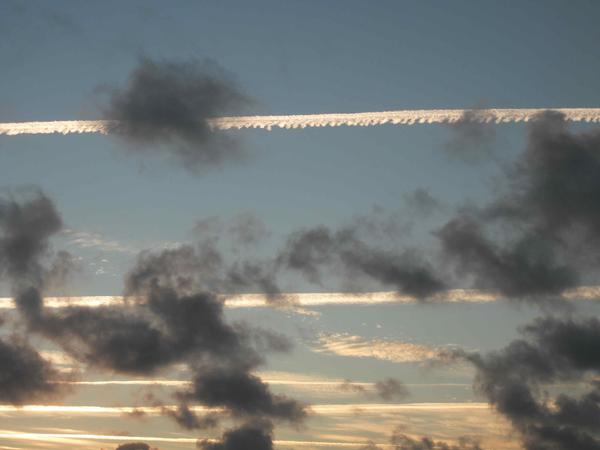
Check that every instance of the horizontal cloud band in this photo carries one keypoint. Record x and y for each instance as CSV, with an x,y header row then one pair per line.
x,y
308,299
363,119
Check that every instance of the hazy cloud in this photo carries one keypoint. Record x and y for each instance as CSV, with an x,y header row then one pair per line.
x,y
164,107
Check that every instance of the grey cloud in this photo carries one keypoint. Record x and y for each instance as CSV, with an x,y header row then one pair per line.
x,y
25,228
552,350
389,389
25,376
309,251
539,236
133,446
471,139
244,394
421,202
404,442
164,108
256,435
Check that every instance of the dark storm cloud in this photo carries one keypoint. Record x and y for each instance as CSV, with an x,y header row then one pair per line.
x,y
539,236
472,138
164,108
255,435
310,251
553,350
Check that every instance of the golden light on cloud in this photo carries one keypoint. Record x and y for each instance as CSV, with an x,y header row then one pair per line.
x,y
299,121
308,299
388,350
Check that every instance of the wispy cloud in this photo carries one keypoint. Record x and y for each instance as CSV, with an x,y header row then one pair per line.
x,y
384,349
90,240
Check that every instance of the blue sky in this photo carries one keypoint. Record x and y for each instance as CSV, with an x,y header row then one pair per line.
x,y
292,57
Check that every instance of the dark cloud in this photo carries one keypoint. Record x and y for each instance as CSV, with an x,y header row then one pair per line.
x,y
526,268
310,251
25,376
164,108
472,137
402,441
25,228
189,420
168,319
539,236
256,435
244,394
552,350
133,446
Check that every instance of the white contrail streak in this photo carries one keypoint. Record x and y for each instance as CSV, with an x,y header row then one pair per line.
x,y
363,119
308,299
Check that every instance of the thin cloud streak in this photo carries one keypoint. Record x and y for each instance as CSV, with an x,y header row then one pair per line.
x,y
106,437
590,293
362,119
320,409
384,349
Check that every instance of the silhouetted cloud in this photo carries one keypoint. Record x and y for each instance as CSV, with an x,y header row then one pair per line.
x,y
24,375
402,441
539,236
553,350
309,251
189,420
133,446
242,393
25,226
527,267
256,435
164,109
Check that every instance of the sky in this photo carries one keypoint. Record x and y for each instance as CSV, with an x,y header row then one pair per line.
x,y
481,239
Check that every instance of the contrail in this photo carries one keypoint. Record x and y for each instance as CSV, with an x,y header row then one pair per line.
x,y
308,299
362,119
